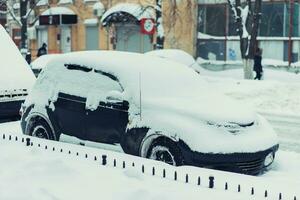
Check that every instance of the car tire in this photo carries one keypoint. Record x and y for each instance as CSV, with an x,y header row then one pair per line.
x,y
41,129
166,151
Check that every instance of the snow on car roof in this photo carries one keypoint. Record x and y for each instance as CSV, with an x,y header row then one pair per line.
x,y
15,73
42,61
159,75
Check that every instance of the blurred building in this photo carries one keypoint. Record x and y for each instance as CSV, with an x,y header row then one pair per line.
x,y
279,33
67,25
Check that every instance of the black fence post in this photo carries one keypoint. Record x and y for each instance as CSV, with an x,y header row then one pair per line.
x,y
3,136
266,193
86,156
153,171
211,182
53,148
16,138
239,188
226,186
104,161
22,140
175,176
46,147
252,191
280,196
199,180
186,178
9,137
27,141
164,173
133,164
295,198
124,164
143,168
95,158
61,150
115,163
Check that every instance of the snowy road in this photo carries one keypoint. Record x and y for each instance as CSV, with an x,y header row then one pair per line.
x,y
287,128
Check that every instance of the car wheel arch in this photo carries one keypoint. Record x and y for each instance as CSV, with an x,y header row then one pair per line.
x,y
38,116
146,143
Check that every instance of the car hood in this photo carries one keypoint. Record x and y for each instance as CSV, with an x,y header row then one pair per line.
x,y
213,109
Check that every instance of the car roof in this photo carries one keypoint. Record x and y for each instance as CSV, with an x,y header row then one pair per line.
x,y
157,75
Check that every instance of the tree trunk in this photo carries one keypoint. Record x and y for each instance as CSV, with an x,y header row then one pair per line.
x,y
248,68
160,38
23,11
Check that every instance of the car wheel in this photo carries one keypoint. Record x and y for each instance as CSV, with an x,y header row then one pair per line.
x,y
41,129
165,151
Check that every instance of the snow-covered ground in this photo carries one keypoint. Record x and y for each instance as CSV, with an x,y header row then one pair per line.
x,y
39,173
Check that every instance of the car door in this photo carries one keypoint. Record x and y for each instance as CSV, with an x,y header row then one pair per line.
x,y
70,114
108,121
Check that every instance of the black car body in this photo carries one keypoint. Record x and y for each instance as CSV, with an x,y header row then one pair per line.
x,y
94,96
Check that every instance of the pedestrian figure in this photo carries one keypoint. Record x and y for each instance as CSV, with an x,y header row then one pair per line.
x,y
42,50
257,64
28,57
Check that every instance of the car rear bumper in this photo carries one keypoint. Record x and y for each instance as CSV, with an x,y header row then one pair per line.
x,y
10,109
245,163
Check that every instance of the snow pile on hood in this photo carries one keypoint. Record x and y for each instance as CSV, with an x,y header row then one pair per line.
x,y
174,98
15,73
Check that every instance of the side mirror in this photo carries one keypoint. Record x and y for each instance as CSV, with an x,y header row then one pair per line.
x,y
114,96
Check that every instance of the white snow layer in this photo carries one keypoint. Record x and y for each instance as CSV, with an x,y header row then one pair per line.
x,y
58,11
135,10
15,73
42,61
175,99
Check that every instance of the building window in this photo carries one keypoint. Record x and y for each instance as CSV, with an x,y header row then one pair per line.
x,y
272,21
212,19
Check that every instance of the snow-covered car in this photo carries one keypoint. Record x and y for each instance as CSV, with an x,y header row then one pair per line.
x,y
149,107
16,78
38,64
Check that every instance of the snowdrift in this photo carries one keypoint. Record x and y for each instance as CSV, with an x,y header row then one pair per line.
x,y
15,73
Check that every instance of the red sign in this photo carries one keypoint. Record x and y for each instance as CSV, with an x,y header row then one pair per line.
x,y
147,26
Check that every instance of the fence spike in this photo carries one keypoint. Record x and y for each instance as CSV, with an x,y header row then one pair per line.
x,y
186,178
211,182
27,141
104,162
